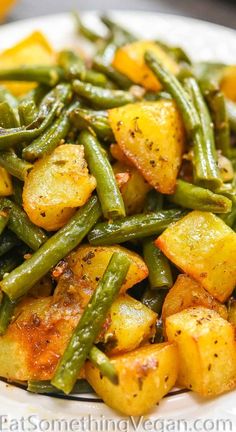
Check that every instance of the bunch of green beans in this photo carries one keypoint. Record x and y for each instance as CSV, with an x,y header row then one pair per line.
x,y
70,103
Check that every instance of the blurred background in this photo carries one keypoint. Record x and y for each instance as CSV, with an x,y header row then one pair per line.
x,y
218,11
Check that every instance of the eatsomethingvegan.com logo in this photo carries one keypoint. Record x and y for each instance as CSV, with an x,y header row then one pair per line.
x,y
102,424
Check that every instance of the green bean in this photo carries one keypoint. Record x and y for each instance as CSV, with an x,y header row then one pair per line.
x,y
49,75
14,165
27,111
102,98
51,137
176,52
74,67
44,387
105,67
17,192
8,240
158,265
230,218
97,120
6,310
48,109
8,118
153,96
90,323
217,105
20,224
119,34
197,198
206,171
7,96
231,112
102,362
154,299
4,218
20,280
85,31
154,201
173,86
36,94
107,188
133,227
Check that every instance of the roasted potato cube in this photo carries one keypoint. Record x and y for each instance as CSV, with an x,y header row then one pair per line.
x,y
145,376
33,50
185,293
56,185
204,247
129,324
207,350
134,191
36,338
6,187
151,135
228,82
90,262
5,7
129,60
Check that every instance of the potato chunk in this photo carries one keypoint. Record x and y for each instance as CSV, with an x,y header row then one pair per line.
x,y
56,185
207,350
151,135
145,376
33,50
90,262
130,323
204,247
185,293
129,60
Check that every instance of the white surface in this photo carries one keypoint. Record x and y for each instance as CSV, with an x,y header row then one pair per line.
x,y
203,41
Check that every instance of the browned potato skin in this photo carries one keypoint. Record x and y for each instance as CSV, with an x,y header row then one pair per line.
x,y
145,376
186,293
134,191
56,185
204,247
207,350
90,262
129,324
129,60
151,135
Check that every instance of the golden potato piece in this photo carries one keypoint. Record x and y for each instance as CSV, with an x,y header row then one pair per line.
x,y
6,187
207,350
151,135
145,376
228,82
33,50
135,190
56,185
204,247
186,293
131,324
90,262
129,60
37,337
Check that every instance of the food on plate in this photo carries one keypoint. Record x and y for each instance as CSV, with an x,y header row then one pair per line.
x,y
117,219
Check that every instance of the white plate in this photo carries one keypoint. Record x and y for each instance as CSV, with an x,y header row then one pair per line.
x,y
203,41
